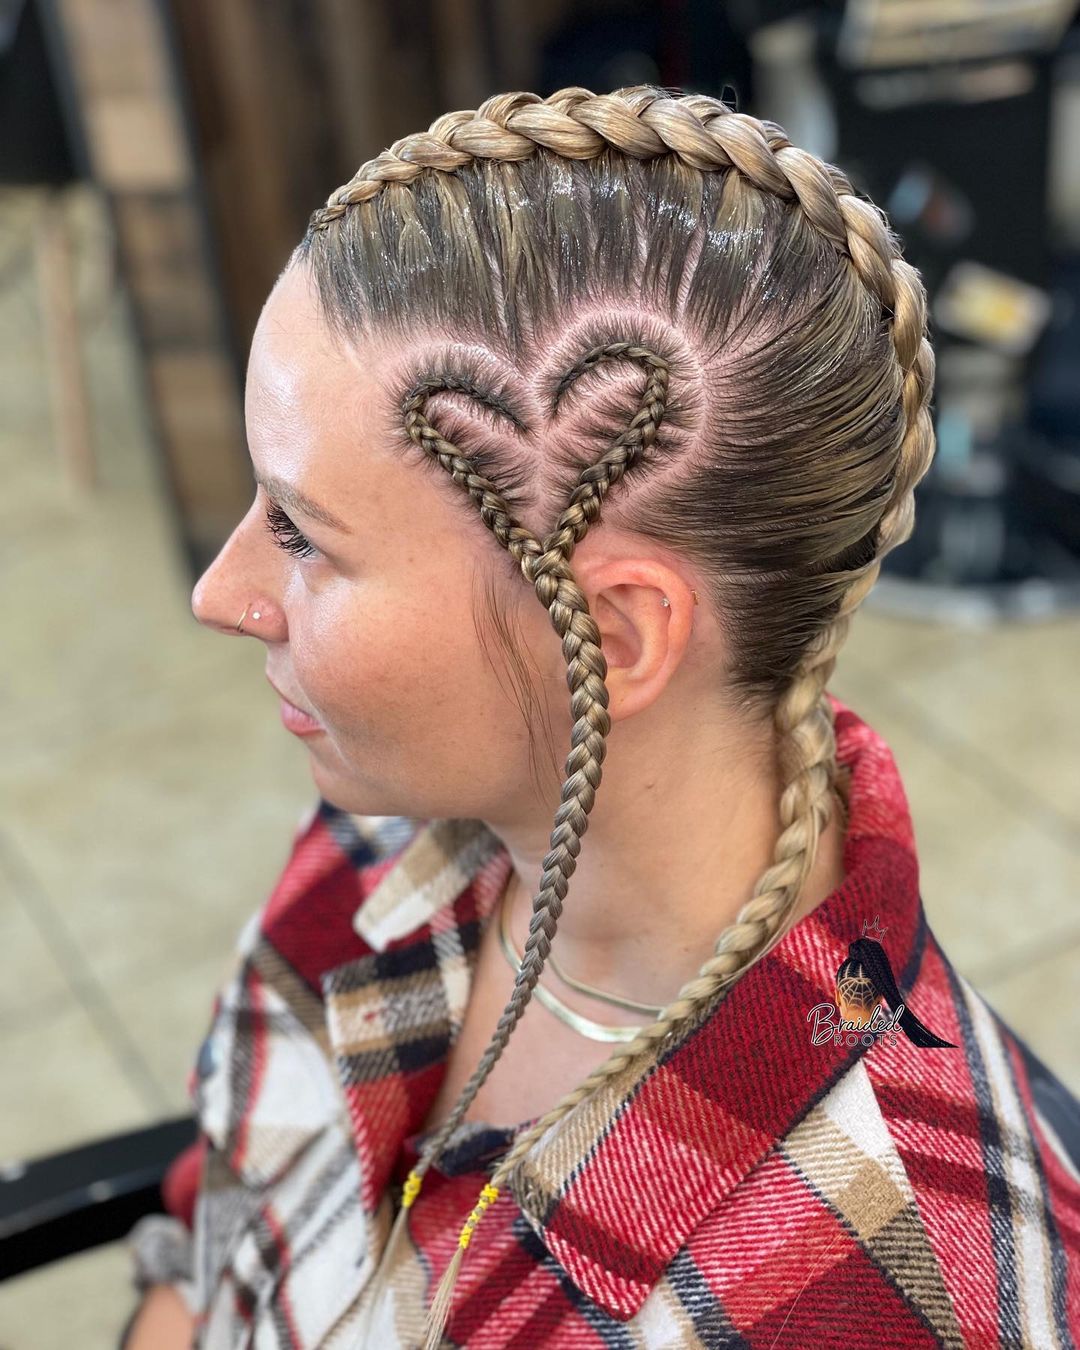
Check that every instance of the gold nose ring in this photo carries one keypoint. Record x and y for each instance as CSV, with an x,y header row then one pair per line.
x,y
256,615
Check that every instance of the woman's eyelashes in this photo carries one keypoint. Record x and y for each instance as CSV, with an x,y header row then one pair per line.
x,y
285,533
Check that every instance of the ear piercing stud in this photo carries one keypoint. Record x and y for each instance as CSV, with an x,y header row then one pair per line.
x,y
663,600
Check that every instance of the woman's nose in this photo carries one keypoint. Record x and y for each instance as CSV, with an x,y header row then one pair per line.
x,y
237,583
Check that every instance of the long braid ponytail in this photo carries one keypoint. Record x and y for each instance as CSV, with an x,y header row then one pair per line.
x,y
641,123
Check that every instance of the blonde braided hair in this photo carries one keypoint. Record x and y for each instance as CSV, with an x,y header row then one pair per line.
x,y
643,123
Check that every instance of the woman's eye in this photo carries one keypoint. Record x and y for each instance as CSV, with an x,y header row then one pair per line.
x,y
285,533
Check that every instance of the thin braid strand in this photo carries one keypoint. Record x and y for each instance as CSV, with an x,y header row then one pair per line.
x,y
546,564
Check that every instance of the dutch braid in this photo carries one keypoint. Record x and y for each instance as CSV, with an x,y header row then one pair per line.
x,y
643,122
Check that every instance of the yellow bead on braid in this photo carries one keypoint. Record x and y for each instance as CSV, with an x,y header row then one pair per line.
x,y
439,1311
389,1255
487,1196
413,1182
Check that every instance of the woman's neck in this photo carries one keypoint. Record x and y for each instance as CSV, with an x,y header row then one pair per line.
x,y
662,872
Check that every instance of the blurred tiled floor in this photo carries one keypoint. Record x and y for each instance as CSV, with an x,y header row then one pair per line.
x,y
133,846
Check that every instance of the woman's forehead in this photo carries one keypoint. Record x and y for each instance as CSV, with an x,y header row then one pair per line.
x,y
316,417
290,352
303,394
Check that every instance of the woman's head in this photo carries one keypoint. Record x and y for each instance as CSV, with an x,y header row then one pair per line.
x,y
382,597
795,422
575,335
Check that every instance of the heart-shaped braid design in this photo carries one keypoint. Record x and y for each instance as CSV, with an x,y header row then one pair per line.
x,y
496,224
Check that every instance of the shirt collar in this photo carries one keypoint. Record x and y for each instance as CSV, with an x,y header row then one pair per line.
x,y
669,1141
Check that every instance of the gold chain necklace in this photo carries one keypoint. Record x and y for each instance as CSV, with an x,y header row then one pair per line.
x,y
595,1031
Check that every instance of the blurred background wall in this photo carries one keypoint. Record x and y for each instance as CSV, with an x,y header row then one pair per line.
x,y
158,162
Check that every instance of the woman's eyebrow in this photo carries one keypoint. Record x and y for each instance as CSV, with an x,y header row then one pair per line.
x,y
286,495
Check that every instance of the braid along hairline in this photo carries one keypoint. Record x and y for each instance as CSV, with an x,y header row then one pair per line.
x,y
700,130
707,135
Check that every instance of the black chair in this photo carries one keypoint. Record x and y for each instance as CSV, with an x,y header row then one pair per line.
x,y
70,1202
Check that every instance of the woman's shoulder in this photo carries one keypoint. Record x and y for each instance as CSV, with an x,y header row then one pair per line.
x,y
272,985
264,1068
987,1084
986,1173
970,1110
926,1189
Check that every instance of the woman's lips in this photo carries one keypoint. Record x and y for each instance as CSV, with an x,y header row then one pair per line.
x,y
297,721
294,718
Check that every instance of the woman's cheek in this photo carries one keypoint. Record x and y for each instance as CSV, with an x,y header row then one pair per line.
x,y
352,686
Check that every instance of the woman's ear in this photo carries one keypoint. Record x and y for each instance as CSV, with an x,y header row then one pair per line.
x,y
644,639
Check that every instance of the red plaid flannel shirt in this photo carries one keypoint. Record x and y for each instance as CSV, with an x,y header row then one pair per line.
x,y
747,1189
